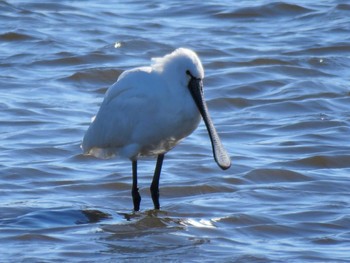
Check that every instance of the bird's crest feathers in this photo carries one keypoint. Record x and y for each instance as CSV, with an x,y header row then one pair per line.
x,y
181,57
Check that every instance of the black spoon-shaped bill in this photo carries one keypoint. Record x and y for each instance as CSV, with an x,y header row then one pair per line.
x,y
220,154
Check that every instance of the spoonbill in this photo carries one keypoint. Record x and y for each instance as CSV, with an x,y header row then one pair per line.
x,y
148,111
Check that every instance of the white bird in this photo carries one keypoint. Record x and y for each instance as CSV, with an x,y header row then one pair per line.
x,y
148,111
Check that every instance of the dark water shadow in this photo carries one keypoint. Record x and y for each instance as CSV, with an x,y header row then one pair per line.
x,y
36,219
94,216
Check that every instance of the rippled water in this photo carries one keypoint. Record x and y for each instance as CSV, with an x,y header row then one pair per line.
x,y
277,84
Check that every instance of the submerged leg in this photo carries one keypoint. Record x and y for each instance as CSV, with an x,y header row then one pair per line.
x,y
155,182
136,198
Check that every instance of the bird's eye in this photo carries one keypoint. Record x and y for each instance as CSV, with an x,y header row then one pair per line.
x,y
189,73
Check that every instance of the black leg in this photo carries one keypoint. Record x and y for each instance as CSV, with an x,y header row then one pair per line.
x,y
136,198
155,182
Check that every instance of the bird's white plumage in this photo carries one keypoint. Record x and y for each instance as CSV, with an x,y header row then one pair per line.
x,y
148,110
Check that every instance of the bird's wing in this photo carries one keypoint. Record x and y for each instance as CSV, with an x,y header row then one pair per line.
x,y
127,81
125,108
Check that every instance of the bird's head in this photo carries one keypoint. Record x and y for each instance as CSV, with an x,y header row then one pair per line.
x,y
182,64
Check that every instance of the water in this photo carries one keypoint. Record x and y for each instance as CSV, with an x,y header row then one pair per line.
x,y
277,85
